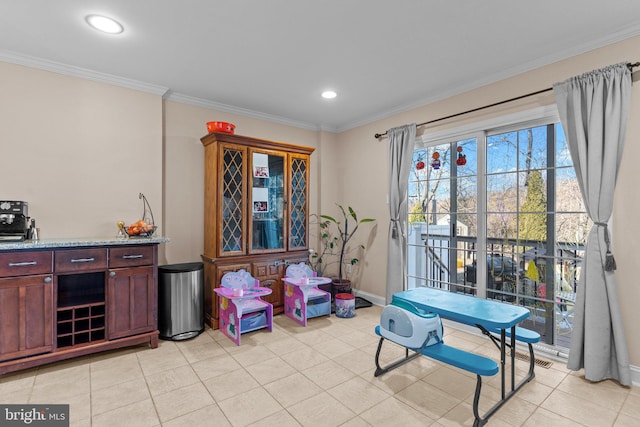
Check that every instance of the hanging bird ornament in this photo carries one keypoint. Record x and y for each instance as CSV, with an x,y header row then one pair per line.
x,y
462,159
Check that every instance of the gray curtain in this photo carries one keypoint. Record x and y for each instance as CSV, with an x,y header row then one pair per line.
x,y
594,109
401,146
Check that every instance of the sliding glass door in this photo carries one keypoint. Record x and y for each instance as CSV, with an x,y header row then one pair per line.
x,y
500,216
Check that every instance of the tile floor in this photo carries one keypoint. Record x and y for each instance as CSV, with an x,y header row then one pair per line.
x,y
321,375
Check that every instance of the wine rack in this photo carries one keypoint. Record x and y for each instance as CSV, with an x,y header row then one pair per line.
x,y
81,324
80,314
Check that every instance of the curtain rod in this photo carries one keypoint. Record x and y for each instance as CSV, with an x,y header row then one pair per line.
x,y
378,135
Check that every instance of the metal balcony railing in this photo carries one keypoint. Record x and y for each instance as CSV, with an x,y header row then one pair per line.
x,y
517,271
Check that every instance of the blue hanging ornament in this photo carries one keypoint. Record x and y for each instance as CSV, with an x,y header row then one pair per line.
x,y
435,163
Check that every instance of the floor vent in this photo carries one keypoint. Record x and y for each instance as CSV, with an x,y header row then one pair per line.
x,y
539,362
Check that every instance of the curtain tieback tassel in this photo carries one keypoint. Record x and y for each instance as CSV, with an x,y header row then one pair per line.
x,y
610,262
395,226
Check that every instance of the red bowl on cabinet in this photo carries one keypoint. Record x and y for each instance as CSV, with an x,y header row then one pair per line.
x,y
221,127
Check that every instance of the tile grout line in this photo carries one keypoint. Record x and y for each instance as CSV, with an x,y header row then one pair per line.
x,y
153,401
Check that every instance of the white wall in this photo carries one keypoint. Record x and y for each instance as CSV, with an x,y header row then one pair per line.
x,y
78,151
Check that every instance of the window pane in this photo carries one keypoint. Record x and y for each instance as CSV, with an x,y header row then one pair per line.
x,y
533,191
467,191
416,217
533,227
439,225
441,191
502,152
502,226
466,157
532,145
418,167
502,193
563,157
467,225
568,190
438,161
572,229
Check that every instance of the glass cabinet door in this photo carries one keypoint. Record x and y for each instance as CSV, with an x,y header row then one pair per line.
x,y
232,200
267,201
299,204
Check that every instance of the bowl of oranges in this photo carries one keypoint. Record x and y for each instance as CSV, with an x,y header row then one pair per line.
x,y
139,229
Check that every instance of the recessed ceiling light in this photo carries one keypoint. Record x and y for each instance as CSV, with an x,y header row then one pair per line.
x,y
104,24
329,94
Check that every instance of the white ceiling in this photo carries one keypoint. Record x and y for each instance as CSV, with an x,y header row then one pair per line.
x,y
272,58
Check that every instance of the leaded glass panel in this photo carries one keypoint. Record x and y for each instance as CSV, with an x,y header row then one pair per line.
x,y
232,200
298,221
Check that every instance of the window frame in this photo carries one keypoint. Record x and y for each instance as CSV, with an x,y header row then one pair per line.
x,y
481,130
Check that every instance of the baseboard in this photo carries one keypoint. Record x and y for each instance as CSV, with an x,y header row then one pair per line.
x,y
635,376
375,299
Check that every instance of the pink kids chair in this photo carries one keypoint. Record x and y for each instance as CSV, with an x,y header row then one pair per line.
x,y
241,306
302,298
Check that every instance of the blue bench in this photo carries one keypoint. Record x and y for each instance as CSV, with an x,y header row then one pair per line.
x,y
470,362
523,335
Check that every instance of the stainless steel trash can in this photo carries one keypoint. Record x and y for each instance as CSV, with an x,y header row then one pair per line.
x,y
180,301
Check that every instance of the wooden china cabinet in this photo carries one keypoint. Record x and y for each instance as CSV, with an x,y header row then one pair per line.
x,y
256,212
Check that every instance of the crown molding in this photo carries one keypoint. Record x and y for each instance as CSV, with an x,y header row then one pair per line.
x,y
621,35
70,70
205,103
166,93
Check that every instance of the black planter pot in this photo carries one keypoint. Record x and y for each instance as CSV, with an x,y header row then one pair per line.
x,y
340,287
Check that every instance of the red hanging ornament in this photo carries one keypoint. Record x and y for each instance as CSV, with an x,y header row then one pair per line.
x,y
420,165
462,159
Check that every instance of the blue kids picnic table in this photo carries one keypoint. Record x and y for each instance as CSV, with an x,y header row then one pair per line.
x,y
490,316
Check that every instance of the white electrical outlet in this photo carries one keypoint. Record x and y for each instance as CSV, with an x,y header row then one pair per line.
x,y
348,268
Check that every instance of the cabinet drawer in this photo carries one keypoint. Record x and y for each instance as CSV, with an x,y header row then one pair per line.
x,y
25,263
74,260
130,256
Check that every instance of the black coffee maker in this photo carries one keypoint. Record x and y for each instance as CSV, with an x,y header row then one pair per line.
x,y
14,221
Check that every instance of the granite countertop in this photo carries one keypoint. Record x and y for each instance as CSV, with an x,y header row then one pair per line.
x,y
80,242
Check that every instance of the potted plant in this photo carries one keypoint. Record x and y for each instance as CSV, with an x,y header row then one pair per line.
x,y
335,235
